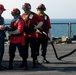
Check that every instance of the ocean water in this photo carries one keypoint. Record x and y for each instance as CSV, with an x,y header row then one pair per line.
x,y
59,30
7,21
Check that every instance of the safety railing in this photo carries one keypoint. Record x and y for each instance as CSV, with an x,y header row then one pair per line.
x,y
69,29
66,28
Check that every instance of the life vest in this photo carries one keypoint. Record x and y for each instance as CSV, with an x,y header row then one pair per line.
x,y
45,27
29,23
14,26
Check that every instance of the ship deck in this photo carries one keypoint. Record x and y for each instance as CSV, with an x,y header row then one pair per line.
x,y
66,66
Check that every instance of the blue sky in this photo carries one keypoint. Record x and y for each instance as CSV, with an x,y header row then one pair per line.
x,y
55,8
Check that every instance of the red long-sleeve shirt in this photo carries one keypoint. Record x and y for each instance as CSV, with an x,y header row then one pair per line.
x,y
19,38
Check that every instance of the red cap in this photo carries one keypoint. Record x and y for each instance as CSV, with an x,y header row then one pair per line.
x,y
41,6
27,6
15,10
2,7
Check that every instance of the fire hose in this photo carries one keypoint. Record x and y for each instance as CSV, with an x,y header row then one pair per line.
x,y
56,55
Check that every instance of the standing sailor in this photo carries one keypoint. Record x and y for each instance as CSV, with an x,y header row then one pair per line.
x,y
2,35
16,37
45,29
32,22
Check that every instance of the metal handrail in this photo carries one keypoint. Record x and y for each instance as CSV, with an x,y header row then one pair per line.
x,y
69,27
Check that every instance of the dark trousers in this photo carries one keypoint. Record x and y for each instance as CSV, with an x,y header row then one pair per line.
x,y
43,42
1,48
12,50
30,41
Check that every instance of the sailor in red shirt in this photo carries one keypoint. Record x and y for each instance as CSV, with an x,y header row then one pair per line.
x,y
32,22
46,29
16,37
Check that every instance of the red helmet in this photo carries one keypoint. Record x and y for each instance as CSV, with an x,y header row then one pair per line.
x,y
41,7
26,6
2,7
15,12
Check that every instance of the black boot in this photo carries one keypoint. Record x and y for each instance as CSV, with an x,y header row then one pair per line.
x,y
45,60
37,62
2,68
10,66
24,64
34,63
21,65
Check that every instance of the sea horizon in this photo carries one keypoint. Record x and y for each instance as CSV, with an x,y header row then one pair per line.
x,y
52,20
58,30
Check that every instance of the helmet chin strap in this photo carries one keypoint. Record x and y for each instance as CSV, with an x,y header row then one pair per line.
x,y
16,17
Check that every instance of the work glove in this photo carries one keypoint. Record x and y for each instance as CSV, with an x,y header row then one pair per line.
x,y
8,28
15,32
38,25
10,32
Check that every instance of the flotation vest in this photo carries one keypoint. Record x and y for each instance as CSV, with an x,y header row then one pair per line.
x,y
14,27
29,23
45,27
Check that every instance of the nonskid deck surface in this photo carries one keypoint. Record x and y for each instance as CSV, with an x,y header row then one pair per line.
x,y
67,66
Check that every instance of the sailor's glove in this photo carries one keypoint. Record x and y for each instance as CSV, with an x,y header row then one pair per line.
x,y
10,32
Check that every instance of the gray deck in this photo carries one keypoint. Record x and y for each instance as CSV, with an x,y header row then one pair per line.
x,y
65,67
